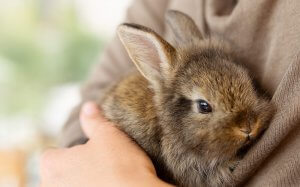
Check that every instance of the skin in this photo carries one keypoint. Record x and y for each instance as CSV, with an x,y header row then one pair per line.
x,y
158,110
109,158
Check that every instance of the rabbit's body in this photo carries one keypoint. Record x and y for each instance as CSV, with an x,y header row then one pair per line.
x,y
192,109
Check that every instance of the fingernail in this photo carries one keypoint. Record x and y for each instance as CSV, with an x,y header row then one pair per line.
x,y
90,109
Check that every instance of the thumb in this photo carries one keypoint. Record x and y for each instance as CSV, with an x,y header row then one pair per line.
x,y
91,119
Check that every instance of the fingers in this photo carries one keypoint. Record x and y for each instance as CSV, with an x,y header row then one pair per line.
x,y
93,122
56,163
49,161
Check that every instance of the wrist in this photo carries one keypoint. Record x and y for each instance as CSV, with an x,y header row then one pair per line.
x,y
153,180
145,180
160,183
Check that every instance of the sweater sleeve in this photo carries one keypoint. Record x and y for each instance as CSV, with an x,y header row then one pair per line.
x,y
113,64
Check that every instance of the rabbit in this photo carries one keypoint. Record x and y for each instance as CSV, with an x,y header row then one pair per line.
x,y
190,106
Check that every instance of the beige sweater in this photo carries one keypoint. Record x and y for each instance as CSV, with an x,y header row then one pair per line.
x,y
266,37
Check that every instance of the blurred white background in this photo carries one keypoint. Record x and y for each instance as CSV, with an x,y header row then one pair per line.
x,y
46,50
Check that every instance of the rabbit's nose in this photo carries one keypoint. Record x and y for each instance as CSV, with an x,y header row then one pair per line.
x,y
245,130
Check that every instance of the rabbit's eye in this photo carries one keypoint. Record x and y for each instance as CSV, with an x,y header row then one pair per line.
x,y
203,106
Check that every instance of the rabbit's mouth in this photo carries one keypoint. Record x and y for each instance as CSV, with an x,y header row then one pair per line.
x,y
244,149
247,145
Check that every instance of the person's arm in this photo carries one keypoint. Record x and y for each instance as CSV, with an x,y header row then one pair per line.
x,y
110,158
113,64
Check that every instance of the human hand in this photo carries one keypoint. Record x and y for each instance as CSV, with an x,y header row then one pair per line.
x,y
109,158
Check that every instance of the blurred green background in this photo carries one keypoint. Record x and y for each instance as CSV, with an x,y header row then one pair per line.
x,y
47,48
41,47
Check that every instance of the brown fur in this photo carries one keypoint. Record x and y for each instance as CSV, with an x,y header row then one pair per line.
x,y
158,109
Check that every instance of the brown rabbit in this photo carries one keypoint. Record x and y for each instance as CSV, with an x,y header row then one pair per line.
x,y
192,108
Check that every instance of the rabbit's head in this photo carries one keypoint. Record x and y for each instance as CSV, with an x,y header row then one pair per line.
x,y
206,102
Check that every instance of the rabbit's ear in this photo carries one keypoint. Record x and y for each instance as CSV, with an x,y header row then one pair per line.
x,y
183,27
151,54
